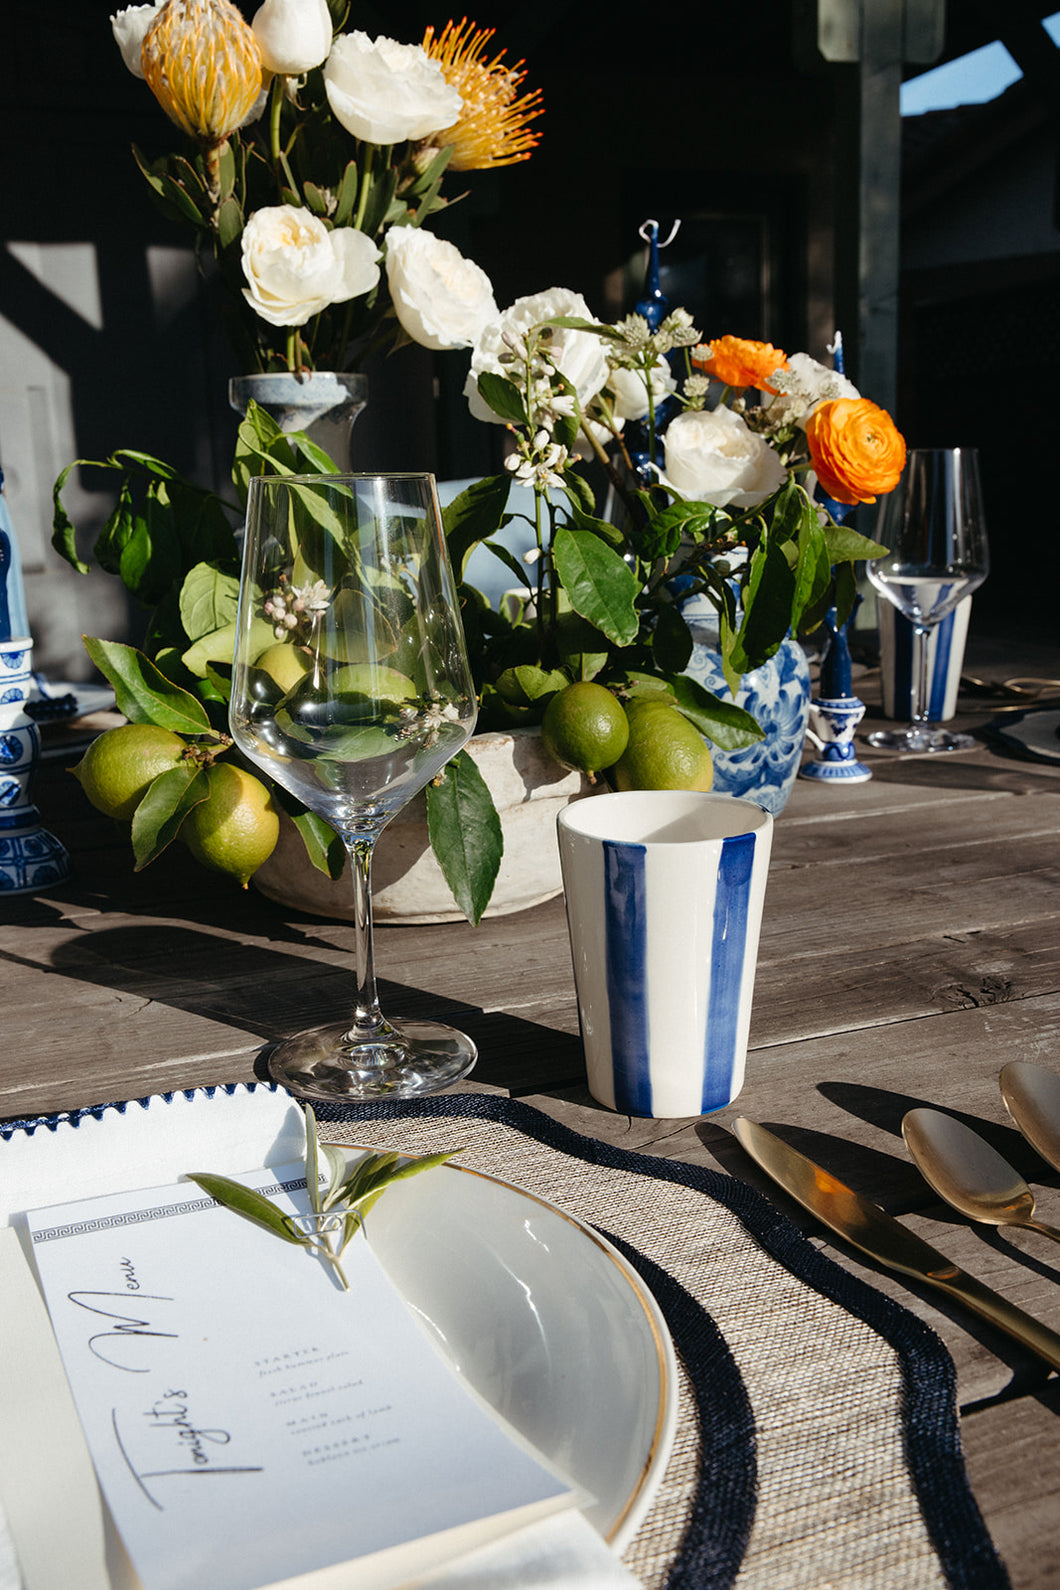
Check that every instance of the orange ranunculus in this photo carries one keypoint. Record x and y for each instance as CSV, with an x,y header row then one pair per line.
x,y
856,449
739,362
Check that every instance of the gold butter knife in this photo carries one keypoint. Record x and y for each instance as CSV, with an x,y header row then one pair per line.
x,y
868,1227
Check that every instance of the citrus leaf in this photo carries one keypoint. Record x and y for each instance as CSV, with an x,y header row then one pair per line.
x,y
503,397
473,516
323,845
253,1206
672,640
724,723
847,546
465,834
208,600
157,819
142,692
64,535
600,585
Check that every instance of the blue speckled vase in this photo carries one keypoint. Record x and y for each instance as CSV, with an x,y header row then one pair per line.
x,y
777,695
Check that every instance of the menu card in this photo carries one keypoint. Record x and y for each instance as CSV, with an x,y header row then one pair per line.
x,y
253,1425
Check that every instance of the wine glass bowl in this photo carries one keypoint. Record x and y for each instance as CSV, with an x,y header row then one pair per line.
x,y
351,688
933,527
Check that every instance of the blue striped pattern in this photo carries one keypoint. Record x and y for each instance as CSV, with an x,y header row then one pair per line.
x,y
731,905
629,991
938,675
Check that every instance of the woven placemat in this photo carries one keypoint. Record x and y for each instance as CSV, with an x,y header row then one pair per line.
x,y
818,1444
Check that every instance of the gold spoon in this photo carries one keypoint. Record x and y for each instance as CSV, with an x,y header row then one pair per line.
x,y
1032,1098
970,1174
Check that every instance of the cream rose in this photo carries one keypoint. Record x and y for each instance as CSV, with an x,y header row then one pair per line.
x,y
385,92
712,456
630,393
578,354
293,35
441,299
129,27
295,267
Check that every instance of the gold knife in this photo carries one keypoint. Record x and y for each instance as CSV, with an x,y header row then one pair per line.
x,y
868,1227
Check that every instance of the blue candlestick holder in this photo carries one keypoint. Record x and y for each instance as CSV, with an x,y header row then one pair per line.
x,y
834,715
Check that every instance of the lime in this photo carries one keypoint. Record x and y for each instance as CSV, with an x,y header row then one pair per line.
x,y
374,681
285,664
236,827
118,767
665,751
584,727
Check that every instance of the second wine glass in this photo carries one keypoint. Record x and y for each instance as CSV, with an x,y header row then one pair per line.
x,y
933,528
351,689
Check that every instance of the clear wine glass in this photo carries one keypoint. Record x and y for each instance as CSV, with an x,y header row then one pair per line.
x,y
351,689
933,528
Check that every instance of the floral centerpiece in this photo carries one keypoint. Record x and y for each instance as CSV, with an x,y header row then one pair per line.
x,y
315,156
733,489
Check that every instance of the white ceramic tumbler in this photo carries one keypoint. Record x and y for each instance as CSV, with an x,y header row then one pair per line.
x,y
664,893
946,641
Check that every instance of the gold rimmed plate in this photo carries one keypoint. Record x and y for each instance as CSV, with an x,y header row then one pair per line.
x,y
547,1322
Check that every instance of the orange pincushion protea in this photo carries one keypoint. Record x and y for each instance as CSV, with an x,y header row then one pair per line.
x,y
203,65
740,362
493,129
856,449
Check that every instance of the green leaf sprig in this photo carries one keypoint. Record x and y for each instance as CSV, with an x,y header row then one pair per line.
x,y
337,1210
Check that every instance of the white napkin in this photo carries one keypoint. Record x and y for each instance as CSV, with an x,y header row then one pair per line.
x,y
151,1145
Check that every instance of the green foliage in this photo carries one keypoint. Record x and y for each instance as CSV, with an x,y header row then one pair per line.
x,y
465,834
337,1212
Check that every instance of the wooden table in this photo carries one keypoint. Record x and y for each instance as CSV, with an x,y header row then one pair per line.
x,y
911,945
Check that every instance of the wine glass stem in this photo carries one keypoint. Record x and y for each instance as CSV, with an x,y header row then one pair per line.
x,y
920,682
366,1014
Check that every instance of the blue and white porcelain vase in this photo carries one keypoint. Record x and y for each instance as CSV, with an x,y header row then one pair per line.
x,y
30,857
777,695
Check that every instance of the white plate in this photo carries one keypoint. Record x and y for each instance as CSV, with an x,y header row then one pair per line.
x,y
547,1322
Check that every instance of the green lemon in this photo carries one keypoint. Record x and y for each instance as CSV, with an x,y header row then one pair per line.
x,y
285,664
664,751
236,827
584,727
118,767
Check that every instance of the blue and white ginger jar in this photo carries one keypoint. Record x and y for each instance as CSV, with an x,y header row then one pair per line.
x,y
777,695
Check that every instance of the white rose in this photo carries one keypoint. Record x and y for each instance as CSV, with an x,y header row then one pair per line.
x,y
129,27
631,397
295,267
802,386
293,35
578,354
712,456
441,299
384,92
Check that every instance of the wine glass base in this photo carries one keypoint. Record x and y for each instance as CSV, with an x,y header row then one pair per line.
x,y
402,1061
920,740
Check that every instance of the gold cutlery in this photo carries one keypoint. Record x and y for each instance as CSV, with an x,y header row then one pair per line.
x,y
868,1227
1032,1098
968,1173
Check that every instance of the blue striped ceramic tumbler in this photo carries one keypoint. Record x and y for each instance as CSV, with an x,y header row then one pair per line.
x,y
664,892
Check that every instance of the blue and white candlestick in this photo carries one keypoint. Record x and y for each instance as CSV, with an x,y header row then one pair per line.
x,y
834,715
